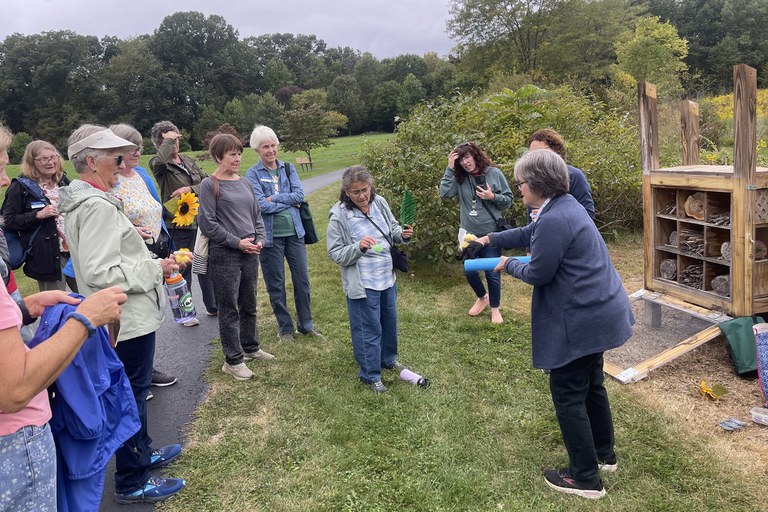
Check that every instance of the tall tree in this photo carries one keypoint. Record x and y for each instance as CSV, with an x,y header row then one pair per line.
x,y
308,128
654,54
264,110
411,93
510,29
344,96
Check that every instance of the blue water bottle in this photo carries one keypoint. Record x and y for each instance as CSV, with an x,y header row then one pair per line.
x,y
181,298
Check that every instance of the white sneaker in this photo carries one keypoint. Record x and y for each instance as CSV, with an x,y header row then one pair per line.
x,y
191,323
259,354
238,371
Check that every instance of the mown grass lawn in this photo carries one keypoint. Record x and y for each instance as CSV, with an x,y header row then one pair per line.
x,y
305,435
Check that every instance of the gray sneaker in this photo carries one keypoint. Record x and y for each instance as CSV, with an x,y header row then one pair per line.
x,y
238,371
259,354
315,334
285,336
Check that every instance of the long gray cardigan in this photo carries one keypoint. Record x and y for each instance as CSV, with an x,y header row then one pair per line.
x,y
579,305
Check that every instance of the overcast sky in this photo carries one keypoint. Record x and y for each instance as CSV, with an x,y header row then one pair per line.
x,y
383,27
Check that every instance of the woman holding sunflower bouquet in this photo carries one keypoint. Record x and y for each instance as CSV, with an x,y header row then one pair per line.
x,y
178,175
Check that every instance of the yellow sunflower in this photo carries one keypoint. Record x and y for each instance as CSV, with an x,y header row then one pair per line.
x,y
186,209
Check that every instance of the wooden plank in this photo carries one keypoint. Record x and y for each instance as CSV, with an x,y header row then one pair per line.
x,y
689,125
743,196
692,181
673,302
707,300
649,131
678,350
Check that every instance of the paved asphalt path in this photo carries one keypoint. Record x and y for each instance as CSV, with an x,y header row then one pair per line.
x,y
184,352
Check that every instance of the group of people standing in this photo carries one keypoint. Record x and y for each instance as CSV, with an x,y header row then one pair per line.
x,y
108,222
106,236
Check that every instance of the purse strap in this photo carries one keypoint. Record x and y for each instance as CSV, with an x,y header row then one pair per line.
x,y
391,243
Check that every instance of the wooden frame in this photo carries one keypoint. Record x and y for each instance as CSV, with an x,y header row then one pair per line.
x,y
735,190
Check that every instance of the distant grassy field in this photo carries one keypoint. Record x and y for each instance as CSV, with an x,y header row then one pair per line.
x,y
343,152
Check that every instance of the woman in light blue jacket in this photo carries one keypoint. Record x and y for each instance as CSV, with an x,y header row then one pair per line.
x,y
356,243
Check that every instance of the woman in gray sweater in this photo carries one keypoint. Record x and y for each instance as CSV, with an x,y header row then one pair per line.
x,y
230,218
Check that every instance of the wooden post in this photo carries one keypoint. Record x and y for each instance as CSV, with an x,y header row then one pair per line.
x,y
689,125
743,198
649,157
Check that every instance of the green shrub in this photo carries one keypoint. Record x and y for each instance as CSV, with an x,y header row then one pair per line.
x,y
602,142
20,142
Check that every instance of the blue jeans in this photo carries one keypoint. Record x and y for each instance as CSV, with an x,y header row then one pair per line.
x,y
493,278
584,415
28,470
373,323
292,249
132,460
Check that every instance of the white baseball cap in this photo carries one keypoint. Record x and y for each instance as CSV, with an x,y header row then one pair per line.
x,y
105,139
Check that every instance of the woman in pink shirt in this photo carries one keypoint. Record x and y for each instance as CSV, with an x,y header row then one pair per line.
x,y
28,471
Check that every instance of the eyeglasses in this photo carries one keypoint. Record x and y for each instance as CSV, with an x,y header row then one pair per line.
x,y
46,159
519,184
358,193
117,159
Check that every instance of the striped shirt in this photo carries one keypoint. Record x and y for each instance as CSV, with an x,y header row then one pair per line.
x,y
375,265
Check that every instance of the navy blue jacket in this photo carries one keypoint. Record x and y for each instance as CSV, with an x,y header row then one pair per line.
x,y
94,413
579,306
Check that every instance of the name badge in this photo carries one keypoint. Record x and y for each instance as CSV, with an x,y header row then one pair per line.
x,y
37,204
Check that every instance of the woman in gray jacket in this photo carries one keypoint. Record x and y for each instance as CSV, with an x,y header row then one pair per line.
x,y
356,243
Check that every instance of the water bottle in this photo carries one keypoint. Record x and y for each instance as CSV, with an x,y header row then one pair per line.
x,y
414,378
180,297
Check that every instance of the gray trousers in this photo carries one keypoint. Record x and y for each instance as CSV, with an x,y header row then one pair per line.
x,y
234,276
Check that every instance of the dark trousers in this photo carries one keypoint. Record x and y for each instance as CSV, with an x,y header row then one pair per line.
x,y
584,415
492,278
292,250
237,275
186,238
132,460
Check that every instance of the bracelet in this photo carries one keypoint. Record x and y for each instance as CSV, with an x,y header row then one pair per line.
x,y
26,318
83,320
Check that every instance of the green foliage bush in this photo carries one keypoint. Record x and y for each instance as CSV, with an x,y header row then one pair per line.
x,y
19,144
602,142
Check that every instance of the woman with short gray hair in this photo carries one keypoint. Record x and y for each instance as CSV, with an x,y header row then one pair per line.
x,y
107,251
278,191
579,309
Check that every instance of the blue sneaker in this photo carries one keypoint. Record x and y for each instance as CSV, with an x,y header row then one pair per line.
x,y
164,456
153,491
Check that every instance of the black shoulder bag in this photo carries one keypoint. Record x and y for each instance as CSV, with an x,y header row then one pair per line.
x,y
399,258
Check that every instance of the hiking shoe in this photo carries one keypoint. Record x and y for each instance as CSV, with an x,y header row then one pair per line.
x,y
561,480
191,323
164,456
376,387
150,396
285,336
154,490
259,354
609,466
238,371
161,379
315,334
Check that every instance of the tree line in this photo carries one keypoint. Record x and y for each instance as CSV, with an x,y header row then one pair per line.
x,y
196,71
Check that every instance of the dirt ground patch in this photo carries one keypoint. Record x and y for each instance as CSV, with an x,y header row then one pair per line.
x,y
673,388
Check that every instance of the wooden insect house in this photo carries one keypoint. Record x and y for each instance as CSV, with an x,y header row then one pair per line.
x,y
705,226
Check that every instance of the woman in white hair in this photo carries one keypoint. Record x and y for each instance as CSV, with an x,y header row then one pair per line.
x,y
108,251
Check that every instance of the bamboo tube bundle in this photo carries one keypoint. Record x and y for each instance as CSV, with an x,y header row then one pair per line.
x,y
668,268
722,285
